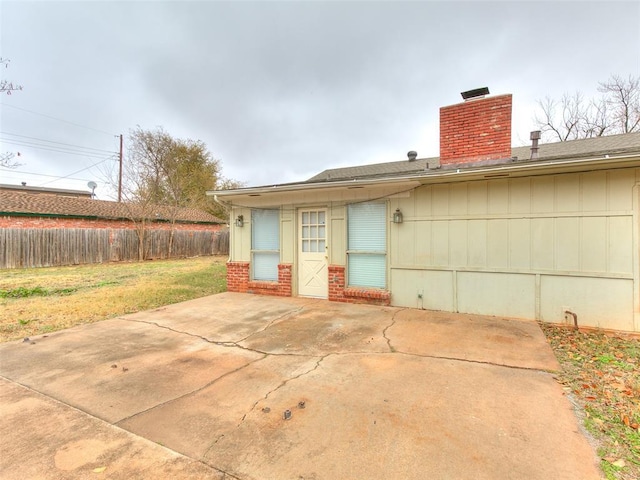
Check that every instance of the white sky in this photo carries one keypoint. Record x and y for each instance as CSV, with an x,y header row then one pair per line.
x,y
280,91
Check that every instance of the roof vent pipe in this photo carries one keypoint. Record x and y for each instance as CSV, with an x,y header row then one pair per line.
x,y
534,137
412,155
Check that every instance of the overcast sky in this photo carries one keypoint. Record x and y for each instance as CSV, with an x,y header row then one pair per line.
x,y
279,91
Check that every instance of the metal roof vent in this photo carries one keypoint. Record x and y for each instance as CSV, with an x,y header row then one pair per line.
x,y
475,94
412,155
534,137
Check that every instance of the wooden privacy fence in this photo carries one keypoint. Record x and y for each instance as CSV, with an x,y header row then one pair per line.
x,y
37,247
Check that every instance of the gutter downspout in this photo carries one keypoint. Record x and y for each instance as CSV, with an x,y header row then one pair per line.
x,y
225,205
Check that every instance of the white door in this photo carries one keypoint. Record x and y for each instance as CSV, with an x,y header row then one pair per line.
x,y
312,253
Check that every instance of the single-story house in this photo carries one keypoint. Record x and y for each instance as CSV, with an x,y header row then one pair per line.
x,y
548,232
57,227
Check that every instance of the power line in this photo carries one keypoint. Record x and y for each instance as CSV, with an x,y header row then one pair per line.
x,y
67,176
57,143
53,148
56,118
55,177
10,171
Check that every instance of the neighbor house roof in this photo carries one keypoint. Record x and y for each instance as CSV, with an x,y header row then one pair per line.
x,y
574,149
65,192
24,203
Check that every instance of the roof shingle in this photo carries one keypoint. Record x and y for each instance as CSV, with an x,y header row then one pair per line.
x,y
55,205
575,149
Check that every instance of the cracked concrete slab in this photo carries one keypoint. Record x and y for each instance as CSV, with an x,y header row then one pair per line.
x,y
43,438
333,328
500,341
192,424
116,368
235,316
387,392
409,417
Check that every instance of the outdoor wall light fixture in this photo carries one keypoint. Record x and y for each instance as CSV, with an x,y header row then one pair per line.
x,y
240,221
397,216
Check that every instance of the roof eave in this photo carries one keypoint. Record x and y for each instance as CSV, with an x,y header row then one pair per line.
x,y
517,168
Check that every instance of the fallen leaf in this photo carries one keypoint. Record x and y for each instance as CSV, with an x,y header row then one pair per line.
x,y
99,469
619,463
625,420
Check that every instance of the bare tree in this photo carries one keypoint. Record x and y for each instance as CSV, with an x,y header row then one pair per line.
x,y
622,96
6,160
7,86
572,117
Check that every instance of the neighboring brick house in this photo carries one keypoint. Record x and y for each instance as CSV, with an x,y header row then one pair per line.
x,y
55,211
549,233
26,209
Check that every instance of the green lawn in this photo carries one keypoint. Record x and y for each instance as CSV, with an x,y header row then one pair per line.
x,y
36,301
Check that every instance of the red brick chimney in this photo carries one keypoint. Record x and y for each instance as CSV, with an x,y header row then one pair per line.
x,y
476,130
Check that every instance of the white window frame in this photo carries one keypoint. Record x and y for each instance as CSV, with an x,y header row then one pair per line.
x,y
265,249
366,246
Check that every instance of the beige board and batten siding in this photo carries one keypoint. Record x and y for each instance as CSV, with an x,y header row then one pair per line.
x,y
240,237
528,247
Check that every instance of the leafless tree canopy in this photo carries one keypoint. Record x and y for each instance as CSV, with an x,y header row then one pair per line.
x,y
6,160
616,110
622,97
7,86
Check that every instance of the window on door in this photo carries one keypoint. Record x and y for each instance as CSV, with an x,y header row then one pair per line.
x,y
265,244
367,245
313,235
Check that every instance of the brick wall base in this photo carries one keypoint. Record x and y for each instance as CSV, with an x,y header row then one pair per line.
x,y
238,280
338,292
237,276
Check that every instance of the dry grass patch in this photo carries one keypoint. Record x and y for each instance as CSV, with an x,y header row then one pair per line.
x,y
36,301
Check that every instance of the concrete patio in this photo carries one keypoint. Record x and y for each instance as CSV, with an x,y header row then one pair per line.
x,y
200,389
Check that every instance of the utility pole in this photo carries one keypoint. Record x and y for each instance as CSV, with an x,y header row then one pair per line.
x,y
120,173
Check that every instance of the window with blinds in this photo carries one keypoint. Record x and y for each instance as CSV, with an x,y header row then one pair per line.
x,y
367,245
265,244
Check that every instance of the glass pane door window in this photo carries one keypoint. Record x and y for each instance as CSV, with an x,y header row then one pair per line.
x,y
265,244
367,245
313,274
313,231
